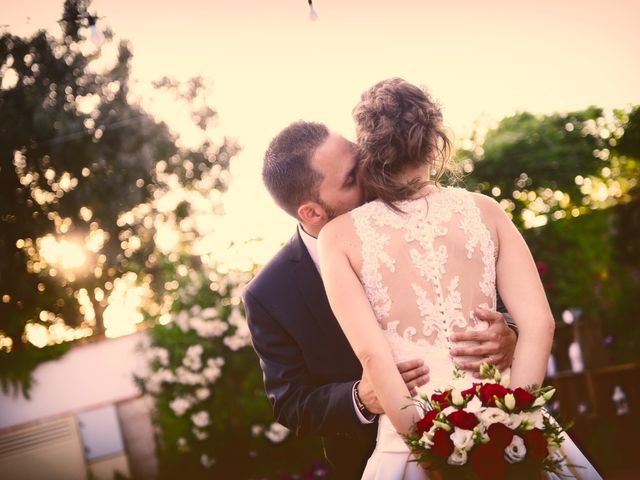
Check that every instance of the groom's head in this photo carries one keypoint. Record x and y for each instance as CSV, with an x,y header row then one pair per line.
x,y
311,173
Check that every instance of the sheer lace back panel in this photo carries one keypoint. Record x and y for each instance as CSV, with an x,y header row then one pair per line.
x,y
425,270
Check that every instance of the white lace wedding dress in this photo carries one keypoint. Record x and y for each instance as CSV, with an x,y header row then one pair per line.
x,y
424,271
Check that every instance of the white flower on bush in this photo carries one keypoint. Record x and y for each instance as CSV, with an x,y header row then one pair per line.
x,y
187,377
213,369
208,328
277,433
492,415
192,358
199,434
462,439
256,430
242,336
515,451
207,461
180,405
200,419
202,393
209,313
182,444
154,381
458,457
158,353
182,320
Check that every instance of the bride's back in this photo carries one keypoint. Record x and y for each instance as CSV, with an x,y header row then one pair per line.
x,y
426,268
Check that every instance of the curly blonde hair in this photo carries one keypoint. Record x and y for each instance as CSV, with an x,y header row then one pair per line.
x,y
399,125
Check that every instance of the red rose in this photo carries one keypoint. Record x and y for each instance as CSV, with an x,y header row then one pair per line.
x,y
489,392
444,398
536,444
470,392
487,461
442,444
427,422
523,398
462,419
500,435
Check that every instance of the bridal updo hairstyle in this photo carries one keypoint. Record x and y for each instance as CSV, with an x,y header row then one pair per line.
x,y
399,126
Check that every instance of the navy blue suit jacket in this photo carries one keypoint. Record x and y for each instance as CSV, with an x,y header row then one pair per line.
x,y
309,367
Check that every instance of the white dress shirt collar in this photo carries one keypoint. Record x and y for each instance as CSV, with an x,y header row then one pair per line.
x,y
312,245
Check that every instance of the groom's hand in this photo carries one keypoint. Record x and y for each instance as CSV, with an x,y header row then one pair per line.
x,y
414,373
495,345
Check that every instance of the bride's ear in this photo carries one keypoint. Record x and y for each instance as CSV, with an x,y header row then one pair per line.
x,y
312,213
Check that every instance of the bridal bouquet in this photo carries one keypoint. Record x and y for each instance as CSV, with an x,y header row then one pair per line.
x,y
487,431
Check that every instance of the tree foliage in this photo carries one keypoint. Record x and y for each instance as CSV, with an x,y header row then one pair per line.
x,y
575,176
547,167
77,152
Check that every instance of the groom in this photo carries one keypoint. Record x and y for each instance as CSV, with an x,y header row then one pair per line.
x,y
312,377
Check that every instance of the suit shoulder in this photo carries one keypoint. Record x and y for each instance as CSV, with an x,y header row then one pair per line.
x,y
272,274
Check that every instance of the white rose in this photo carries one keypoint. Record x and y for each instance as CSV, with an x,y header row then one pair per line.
x,y
547,396
539,402
533,420
510,401
426,440
474,405
462,439
458,457
515,451
447,411
514,420
492,415
456,398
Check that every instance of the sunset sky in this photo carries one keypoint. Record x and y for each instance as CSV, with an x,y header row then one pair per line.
x,y
271,65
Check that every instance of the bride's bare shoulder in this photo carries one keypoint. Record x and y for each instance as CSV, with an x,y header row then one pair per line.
x,y
337,230
487,204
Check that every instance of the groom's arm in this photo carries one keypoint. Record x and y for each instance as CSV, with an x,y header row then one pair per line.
x,y
298,402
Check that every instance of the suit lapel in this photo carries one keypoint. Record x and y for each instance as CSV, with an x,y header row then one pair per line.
x,y
310,286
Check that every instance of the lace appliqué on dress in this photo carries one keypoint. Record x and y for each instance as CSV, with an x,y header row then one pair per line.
x,y
424,221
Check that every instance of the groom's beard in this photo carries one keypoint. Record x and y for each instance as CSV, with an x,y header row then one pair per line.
x,y
331,213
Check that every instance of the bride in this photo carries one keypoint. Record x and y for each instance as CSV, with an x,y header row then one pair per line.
x,y
405,271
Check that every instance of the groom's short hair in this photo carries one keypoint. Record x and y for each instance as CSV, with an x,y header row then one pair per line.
x,y
287,172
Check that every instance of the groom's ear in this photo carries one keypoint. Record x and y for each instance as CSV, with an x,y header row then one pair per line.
x,y
312,213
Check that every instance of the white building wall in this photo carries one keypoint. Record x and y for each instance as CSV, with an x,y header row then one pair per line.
x,y
88,376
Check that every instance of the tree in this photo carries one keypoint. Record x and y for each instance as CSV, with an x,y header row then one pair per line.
x,y
544,168
76,153
575,176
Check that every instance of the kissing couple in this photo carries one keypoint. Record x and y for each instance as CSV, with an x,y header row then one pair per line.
x,y
391,283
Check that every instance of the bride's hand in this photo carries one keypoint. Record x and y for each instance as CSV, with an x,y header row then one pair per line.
x,y
414,373
495,345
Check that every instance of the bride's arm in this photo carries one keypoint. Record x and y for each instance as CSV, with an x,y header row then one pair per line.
x,y
523,294
355,315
